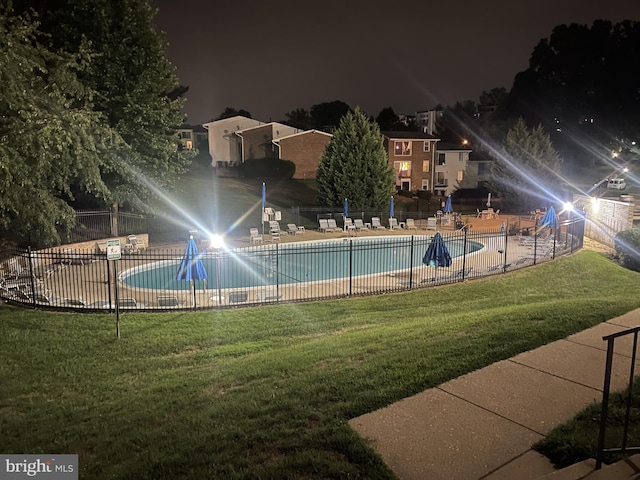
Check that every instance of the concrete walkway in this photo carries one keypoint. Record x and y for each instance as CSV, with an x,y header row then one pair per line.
x,y
482,425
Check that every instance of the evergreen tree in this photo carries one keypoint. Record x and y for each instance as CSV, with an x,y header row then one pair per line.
x,y
355,166
526,171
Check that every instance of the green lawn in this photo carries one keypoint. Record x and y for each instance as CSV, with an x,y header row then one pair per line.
x,y
267,392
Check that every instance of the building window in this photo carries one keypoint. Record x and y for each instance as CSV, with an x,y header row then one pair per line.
x,y
460,174
425,184
425,165
185,135
441,180
402,148
441,158
427,146
403,169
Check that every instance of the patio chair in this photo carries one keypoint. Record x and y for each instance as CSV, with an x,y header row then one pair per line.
x,y
375,223
349,226
479,213
293,229
393,223
274,226
333,226
411,224
432,223
323,225
460,274
254,236
136,245
359,224
170,301
496,214
238,297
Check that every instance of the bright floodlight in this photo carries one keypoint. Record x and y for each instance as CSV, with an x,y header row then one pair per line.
x,y
216,241
568,206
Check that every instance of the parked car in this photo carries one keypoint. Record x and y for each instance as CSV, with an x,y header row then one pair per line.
x,y
617,184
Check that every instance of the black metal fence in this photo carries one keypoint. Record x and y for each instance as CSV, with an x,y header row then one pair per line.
x,y
98,224
145,279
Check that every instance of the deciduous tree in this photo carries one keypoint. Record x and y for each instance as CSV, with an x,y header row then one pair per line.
x,y
52,142
135,84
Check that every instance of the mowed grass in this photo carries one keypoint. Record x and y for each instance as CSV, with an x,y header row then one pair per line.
x,y
266,392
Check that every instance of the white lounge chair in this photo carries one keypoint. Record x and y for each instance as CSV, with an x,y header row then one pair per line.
x,y
323,225
293,229
135,245
254,236
411,224
375,223
359,224
170,301
349,225
333,226
393,223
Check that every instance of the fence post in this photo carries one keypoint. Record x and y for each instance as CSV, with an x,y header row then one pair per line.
x,y
464,255
114,220
411,263
350,267
31,276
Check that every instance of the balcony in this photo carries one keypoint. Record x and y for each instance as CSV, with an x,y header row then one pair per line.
x,y
404,174
442,183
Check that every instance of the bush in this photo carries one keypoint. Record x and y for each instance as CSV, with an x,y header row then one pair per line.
x,y
268,168
405,193
627,245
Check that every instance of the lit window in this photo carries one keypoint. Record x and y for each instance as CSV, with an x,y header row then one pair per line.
x,y
402,148
425,165
402,168
460,175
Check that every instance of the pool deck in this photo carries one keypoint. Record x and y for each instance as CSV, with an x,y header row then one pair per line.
x,y
311,234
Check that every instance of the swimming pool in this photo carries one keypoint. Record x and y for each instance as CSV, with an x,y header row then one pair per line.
x,y
296,263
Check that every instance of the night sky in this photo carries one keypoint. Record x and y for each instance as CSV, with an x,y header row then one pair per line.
x,y
271,57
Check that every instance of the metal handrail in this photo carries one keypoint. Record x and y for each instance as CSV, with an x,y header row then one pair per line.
x,y
606,390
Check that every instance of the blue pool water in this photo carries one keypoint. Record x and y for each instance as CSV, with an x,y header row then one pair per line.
x,y
292,263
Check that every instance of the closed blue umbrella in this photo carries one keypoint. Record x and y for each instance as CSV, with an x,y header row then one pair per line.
x,y
549,218
448,208
345,210
191,268
264,195
437,254
391,212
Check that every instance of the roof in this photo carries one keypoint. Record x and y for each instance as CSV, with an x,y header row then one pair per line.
x,y
451,147
262,125
479,157
409,135
276,140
